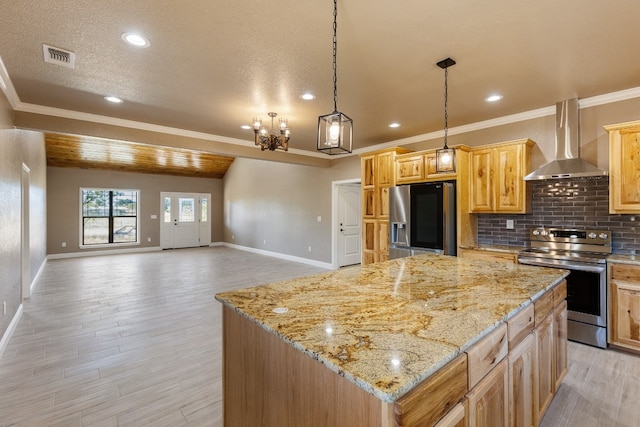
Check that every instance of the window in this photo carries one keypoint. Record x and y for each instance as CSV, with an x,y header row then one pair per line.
x,y
109,216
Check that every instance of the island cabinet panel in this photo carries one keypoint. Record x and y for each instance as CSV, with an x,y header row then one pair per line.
x,y
520,325
456,417
268,382
624,167
560,329
522,387
624,309
435,397
489,400
543,307
487,353
545,360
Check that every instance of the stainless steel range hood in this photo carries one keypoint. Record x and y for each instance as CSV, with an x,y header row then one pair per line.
x,y
567,163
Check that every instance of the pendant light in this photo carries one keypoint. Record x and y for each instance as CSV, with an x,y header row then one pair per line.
x,y
446,157
335,130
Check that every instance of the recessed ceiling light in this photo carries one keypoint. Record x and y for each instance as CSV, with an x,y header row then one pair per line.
x,y
113,99
245,127
308,96
493,98
394,125
135,40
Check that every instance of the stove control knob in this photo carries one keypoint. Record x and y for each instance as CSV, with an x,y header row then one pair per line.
x,y
536,232
592,235
603,236
544,232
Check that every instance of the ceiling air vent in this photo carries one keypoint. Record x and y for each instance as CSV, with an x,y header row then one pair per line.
x,y
56,55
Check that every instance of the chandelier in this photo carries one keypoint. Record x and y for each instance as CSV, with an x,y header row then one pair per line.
x,y
274,139
335,130
446,157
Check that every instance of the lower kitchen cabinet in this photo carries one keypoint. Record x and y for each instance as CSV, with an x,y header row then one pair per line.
x,y
489,400
545,361
560,342
624,309
456,417
522,383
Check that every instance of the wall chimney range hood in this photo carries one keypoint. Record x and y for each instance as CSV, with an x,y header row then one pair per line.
x,y
567,163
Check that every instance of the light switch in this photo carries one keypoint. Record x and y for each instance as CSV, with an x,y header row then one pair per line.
x,y
319,218
509,224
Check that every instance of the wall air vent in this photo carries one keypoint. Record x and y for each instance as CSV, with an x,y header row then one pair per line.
x,y
58,56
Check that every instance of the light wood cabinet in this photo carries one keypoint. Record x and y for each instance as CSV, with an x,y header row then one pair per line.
x,y
489,400
457,417
522,377
624,167
496,173
624,306
378,173
560,329
488,255
410,169
545,361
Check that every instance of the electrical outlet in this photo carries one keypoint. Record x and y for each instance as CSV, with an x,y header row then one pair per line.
x,y
4,308
319,218
233,237
509,224
148,239
309,248
265,242
64,244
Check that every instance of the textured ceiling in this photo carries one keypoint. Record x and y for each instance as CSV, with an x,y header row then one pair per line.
x,y
212,66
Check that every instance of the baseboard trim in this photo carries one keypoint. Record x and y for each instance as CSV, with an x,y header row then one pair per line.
x,y
307,261
103,252
10,330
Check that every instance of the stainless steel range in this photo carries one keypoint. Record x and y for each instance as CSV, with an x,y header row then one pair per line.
x,y
584,253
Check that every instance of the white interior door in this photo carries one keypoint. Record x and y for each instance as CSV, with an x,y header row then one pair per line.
x,y
350,223
186,220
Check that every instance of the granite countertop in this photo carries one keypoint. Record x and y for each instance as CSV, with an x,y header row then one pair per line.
x,y
495,248
387,326
624,259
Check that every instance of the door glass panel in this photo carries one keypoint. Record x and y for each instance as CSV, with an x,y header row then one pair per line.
x,y
186,212
167,209
204,207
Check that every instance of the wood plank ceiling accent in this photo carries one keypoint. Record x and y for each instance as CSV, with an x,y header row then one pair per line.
x,y
70,151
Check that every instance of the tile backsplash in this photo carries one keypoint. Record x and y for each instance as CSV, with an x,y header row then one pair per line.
x,y
577,202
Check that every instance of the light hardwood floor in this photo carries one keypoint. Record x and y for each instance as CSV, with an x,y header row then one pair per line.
x,y
135,340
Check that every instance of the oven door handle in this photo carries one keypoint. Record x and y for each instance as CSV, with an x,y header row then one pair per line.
x,y
565,265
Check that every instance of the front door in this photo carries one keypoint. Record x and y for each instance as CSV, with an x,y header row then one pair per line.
x,y
186,220
349,222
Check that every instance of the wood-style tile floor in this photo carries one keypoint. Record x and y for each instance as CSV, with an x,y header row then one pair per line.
x,y
135,340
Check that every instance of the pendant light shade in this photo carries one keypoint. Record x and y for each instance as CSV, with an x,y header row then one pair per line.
x,y
335,130
445,156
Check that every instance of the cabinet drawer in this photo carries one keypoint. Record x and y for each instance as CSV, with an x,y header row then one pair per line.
x,y
560,293
487,353
455,417
520,325
543,306
626,273
434,397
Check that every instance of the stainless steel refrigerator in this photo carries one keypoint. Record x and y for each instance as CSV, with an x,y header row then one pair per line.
x,y
422,218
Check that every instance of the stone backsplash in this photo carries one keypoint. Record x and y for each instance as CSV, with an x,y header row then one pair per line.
x,y
578,202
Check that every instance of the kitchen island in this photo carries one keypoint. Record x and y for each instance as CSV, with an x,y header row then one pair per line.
x,y
402,342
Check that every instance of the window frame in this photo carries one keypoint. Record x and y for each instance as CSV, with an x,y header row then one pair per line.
x,y
111,217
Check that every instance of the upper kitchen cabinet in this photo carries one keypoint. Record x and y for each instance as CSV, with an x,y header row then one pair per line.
x,y
496,173
624,168
378,173
420,166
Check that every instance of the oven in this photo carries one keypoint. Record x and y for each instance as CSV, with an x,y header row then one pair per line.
x,y
584,254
